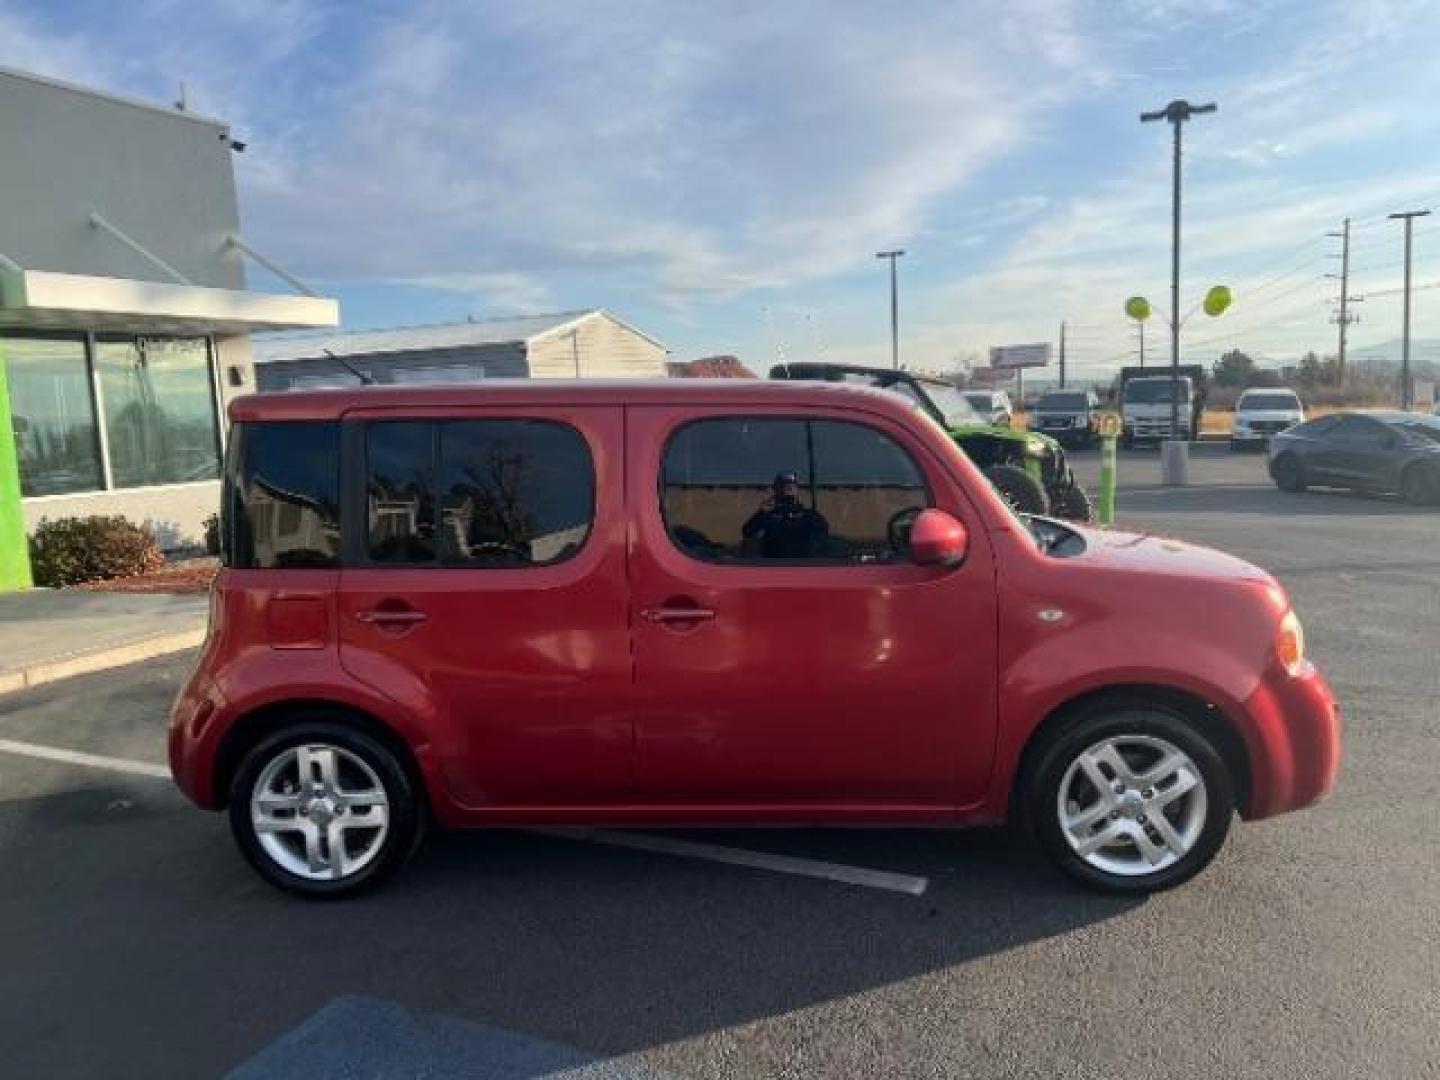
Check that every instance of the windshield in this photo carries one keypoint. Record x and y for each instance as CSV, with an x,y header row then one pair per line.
x,y
952,404
1275,399
1068,400
956,407
1149,391
1419,426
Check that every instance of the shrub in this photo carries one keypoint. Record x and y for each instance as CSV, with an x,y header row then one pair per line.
x,y
75,550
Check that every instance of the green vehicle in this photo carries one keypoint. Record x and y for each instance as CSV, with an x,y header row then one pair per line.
x,y
1028,469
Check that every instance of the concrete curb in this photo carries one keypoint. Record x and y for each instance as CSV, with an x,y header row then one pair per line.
x,y
83,663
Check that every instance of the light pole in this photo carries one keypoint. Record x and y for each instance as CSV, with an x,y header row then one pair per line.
x,y
894,307
1408,217
1173,466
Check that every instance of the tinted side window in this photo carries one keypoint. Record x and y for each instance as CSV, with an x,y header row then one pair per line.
x,y
282,496
477,493
400,491
1323,425
1358,430
514,492
743,490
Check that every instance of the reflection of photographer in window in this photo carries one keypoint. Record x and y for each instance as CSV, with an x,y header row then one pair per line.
x,y
783,527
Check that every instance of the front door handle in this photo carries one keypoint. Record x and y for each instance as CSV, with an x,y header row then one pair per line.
x,y
677,614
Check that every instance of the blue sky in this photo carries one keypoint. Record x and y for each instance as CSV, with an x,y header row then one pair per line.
x,y
721,174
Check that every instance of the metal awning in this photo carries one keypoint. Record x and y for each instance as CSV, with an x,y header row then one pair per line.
x,y
43,300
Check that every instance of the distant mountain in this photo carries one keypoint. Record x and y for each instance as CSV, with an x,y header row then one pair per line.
x,y
1424,355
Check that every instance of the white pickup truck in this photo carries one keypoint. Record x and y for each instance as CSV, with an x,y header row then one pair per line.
x,y
1145,409
1262,413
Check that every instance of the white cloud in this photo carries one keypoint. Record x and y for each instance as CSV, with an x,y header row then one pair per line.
x,y
691,153
708,149
498,293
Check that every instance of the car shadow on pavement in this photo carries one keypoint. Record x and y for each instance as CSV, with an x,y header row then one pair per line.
x,y
127,908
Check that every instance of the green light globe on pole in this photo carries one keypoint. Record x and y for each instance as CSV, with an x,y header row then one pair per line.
x,y
1217,300
1138,308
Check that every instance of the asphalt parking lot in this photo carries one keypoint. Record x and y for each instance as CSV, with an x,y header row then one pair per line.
x,y
135,943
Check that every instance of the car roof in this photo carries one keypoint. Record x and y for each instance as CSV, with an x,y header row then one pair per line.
x,y
1393,416
331,404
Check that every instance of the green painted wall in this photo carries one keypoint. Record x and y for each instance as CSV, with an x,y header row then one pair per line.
x,y
14,548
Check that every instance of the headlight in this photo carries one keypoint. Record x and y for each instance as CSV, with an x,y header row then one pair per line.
x,y
1290,644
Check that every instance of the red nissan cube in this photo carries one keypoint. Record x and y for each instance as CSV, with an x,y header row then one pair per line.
x,y
692,603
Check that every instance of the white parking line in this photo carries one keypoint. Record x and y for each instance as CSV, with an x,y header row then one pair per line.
x,y
75,757
756,860
662,845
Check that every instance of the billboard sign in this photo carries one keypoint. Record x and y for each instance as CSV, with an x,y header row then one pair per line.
x,y
1010,357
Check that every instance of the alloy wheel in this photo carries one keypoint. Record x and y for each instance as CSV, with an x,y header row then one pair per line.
x,y
1132,805
320,812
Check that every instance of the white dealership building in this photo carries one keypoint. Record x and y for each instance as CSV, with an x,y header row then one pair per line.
x,y
124,312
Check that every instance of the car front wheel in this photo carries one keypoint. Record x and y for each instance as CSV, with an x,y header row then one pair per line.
x,y
323,810
1420,484
1130,798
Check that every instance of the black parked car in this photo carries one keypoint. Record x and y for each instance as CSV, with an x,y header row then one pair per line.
x,y
1071,417
1365,451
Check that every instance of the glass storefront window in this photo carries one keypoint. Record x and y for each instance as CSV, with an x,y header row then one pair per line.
x,y
159,410
53,415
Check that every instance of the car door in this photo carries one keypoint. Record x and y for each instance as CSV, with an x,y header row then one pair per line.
x,y
1354,453
785,652
484,589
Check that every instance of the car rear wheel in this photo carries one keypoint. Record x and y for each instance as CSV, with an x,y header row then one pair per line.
x,y
1130,798
323,810
1420,484
1019,488
1288,473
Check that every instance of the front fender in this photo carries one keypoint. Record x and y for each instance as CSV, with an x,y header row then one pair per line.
x,y
1061,649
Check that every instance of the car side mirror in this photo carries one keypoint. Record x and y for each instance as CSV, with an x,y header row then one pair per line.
x,y
938,539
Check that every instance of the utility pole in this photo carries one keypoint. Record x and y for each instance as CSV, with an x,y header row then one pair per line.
x,y
894,307
1176,114
1344,319
1408,217
1141,327
1062,356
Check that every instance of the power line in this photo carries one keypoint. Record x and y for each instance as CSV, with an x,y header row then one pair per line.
x,y
1286,256
1401,289
1231,330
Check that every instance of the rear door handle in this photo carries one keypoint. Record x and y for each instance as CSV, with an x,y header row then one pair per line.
x,y
383,616
677,614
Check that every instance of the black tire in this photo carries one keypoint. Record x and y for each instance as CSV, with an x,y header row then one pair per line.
x,y
1017,487
1072,503
1120,718
1420,484
1288,472
405,810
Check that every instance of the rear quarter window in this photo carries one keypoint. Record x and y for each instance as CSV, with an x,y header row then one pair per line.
x,y
281,497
